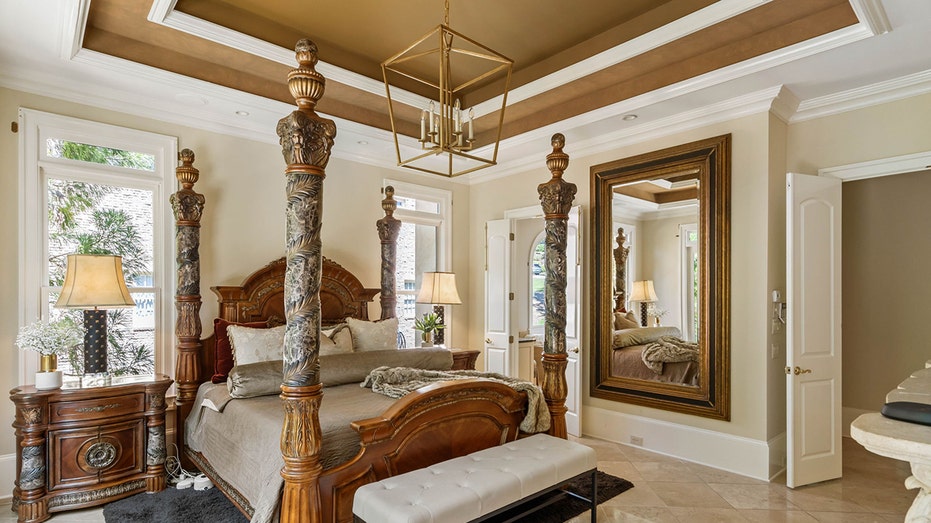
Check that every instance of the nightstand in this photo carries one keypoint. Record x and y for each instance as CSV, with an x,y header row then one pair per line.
x,y
464,359
79,446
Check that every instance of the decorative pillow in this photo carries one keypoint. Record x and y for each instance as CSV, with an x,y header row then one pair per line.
x,y
224,351
251,345
642,335
373,335
255,379
336,340
625,321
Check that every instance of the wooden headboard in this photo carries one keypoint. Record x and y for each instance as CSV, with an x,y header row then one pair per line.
x,y
261,295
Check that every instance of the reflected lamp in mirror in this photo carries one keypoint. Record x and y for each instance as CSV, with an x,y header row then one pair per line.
x,y
94,283
439,289
643,292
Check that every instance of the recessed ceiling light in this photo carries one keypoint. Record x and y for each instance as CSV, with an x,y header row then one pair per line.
x,y
629,117
242,113
362,142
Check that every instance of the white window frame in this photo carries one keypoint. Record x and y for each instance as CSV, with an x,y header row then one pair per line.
x,y
442,220
34,167
686,277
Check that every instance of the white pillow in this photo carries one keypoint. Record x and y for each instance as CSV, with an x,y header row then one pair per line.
x,y
373,335
256,345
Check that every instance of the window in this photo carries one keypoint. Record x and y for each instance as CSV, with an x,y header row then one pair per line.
x,y
423,246
537,284
92,188
688,234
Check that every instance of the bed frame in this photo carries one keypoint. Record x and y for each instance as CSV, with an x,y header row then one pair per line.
x,y
433,424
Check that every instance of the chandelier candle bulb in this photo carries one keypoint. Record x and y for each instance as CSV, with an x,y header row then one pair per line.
x,y
471,118
423,126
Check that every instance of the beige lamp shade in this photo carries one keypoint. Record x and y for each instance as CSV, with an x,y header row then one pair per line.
x,y
94,281
643,291
439,288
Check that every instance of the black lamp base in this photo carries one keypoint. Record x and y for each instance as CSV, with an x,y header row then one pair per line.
x,y
95,341
643,314
438,337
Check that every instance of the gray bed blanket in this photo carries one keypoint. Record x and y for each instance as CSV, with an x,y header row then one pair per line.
x,y
668,349
395,382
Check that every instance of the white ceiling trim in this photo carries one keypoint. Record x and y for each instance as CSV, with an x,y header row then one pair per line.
x,y
872,14
866,96
72,28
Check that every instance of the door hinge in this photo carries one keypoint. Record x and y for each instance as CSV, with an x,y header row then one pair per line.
x,y
511,296
511,236
510,339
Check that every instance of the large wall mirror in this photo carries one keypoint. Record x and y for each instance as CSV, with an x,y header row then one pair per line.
x,y
661,279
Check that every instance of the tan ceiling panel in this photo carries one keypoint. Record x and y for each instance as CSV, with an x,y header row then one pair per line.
x,y
545,34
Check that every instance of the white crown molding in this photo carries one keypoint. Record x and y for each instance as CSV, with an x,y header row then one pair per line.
x,y
872,14
866,96
908,163
72,26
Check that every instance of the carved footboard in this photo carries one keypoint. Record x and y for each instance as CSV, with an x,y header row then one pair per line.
x,y
435,423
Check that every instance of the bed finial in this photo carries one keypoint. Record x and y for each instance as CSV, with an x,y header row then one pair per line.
x,y
556,198
186,173
305,83
388,229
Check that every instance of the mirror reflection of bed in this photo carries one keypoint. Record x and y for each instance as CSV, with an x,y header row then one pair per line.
x,y
656,271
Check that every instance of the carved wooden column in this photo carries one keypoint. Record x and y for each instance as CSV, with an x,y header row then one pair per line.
x,y
306,140
31,424
556,198
388,229
620,271
188,207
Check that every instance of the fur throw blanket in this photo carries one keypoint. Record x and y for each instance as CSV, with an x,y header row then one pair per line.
x,y
395,382
668,349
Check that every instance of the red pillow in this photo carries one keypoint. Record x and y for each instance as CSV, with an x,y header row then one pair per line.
x,y
224,355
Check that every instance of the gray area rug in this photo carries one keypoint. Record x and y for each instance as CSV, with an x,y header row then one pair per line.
x,y
171,505
191,506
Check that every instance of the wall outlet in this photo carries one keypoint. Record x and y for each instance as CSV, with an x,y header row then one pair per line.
x,y
636,440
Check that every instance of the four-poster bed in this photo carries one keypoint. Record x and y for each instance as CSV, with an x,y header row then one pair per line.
x,y
307,291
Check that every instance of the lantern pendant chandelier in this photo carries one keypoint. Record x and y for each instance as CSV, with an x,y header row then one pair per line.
x,y
448,143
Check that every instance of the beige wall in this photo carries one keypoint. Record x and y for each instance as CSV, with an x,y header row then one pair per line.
x,y
661,261
243,222
886,288
749,224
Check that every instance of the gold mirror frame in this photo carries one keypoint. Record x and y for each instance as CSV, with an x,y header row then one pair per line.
x,y
711,159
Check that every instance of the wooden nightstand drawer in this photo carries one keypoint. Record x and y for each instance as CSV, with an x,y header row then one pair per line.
x,y
90,455
96,408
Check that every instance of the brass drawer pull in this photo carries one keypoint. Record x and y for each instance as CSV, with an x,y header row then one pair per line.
x,y
100,408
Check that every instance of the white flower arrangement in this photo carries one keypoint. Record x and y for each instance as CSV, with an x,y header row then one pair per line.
x,y
655,311
49,338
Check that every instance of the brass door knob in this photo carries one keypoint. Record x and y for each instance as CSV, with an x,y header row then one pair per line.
x,y
797,370
574,350
488,341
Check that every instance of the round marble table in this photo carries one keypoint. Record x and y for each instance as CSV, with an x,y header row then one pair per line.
x,y
904,441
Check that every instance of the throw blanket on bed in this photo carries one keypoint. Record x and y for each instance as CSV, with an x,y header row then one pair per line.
x,y
395,382
668,349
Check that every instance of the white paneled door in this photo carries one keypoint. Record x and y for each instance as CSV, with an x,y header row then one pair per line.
x,y
498,338
813,355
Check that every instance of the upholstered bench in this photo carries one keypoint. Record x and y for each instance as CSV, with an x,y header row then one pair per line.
x,y
488,484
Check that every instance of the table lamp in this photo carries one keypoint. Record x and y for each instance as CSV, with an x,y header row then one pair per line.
x,y
439,289
643,292
94,283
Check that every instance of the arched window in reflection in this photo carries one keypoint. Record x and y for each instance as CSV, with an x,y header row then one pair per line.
x,y
537,281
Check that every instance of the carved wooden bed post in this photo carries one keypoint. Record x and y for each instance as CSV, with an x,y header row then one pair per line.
x,y
306,140
188,206
388,229
556,198
620,271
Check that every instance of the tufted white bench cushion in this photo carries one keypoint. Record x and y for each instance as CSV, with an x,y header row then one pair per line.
x,y
479,484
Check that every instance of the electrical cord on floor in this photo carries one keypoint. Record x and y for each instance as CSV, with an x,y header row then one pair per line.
x,y
177,476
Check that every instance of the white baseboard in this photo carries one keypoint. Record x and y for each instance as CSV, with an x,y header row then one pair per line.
x,y
744,456
7,477
848,414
